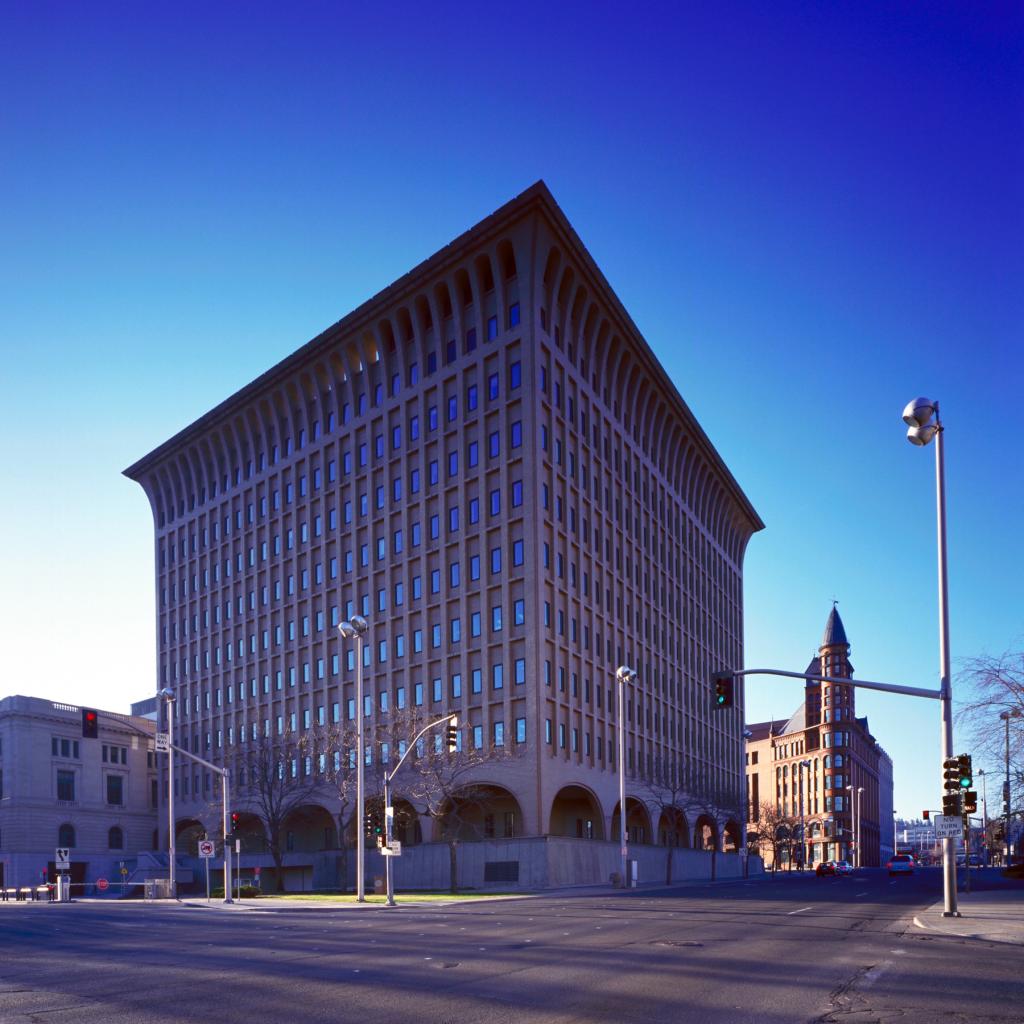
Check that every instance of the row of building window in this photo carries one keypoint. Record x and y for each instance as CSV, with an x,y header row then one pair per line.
x,y
68,837
211,574
261,462
67,781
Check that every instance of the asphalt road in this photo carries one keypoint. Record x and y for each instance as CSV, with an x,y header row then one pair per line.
x,y
774,951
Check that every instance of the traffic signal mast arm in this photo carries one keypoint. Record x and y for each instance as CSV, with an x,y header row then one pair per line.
x,y
453,719
225,775
910,691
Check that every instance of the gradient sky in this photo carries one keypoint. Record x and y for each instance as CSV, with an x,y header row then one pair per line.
x,y
814,213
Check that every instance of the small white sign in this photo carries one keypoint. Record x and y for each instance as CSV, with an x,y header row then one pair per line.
x,y
206,848
948,826
394,850
163,742
62,862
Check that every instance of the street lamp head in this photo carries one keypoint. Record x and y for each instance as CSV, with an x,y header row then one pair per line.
x,y
624,674
351,628
167,694
920,436
747,734
918,412
805,764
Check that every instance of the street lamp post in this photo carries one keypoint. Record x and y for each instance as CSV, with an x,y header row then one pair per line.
x,y
922,428
1005,716
984,813
856,828
172,875
803,827
354,629
623,675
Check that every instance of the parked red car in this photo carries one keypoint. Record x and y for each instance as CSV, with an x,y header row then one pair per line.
x,y
826,867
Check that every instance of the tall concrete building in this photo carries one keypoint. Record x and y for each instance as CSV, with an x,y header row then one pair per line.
x,y
823,769
488,463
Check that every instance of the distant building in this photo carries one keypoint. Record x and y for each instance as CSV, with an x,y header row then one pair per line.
x,y
918,837
96,797
886,813
810,767
146,708
486,461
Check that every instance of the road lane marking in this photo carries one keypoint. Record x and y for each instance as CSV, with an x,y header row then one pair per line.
x,y
800,911
864,893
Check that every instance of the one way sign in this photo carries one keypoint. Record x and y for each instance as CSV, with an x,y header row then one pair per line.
x,y
62,862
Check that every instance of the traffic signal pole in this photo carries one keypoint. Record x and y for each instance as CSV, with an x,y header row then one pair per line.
x,y
389,811
943,695
225,791
945,685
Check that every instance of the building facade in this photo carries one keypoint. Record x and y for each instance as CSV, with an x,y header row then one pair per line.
x,y
821,772
488,463
96,797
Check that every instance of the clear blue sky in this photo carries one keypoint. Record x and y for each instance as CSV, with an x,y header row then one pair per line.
x,y
813,213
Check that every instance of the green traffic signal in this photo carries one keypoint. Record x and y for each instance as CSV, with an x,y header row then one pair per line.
x,y
966,772
723,689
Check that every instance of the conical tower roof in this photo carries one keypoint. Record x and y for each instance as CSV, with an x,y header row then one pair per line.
x,y
835,633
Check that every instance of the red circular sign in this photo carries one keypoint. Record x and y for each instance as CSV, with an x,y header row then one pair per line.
x,y
101,884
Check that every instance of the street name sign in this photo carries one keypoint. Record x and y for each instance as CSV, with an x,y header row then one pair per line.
x,y
948,826
206,848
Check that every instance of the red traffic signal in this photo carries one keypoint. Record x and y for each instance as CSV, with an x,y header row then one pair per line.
x,y
90,724
926,814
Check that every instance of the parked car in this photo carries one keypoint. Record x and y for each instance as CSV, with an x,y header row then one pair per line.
x,y
844,867
826,867
901,864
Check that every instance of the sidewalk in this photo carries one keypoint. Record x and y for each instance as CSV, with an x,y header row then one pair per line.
x,y
993,916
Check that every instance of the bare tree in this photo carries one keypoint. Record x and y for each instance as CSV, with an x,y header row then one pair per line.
x,y
276,778
770,831
335,751
443,786
666,786
994,685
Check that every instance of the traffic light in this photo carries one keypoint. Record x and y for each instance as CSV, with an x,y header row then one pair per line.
x,y
723,683
926,814
373,824
970,802
966,773
90,724
236,820
951,804
951,774
451,735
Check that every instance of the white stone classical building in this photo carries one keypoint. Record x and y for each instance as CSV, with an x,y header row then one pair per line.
x,y
97,796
